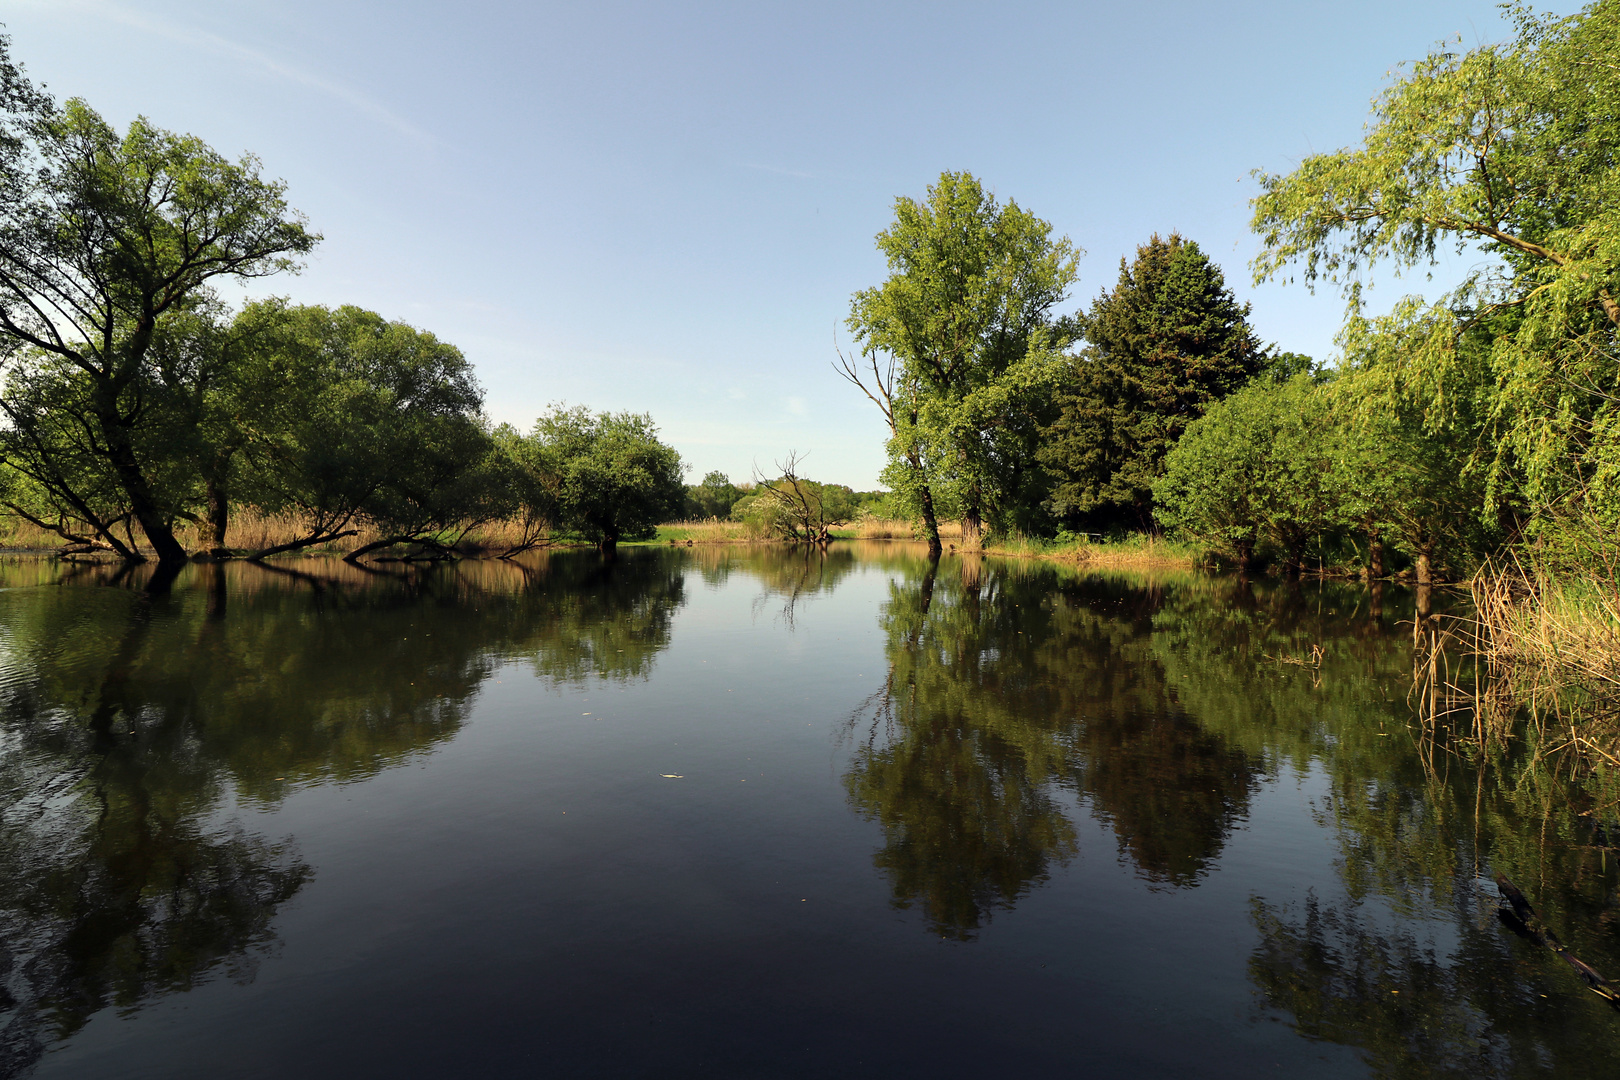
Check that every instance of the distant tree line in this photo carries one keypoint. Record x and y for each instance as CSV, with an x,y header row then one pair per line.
x,y
1447,430
789,507
136,403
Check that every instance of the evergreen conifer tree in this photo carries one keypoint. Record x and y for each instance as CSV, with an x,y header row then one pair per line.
x,y
1168,341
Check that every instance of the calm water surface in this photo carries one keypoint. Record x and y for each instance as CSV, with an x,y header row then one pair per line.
x,y
762,813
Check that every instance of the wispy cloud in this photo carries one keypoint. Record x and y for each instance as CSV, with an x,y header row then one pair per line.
x,y
270,65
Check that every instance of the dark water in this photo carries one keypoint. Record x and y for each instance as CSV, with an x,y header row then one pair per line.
x,y
990,819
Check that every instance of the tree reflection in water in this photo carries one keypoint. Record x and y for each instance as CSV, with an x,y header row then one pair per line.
x,y
1015,694
131,719
1403,956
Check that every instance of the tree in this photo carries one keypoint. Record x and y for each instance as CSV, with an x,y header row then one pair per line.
x,y
105,237
795,508
969,298
1259,467
353,418
1162,346
713,498
1514,149
1419,484
614,479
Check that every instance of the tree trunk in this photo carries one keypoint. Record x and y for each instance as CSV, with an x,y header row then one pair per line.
x,y
1295,561
1375,554
930,524
1425,569
1425,611
216,517
302,542
121,451
972,520
366,549
972,529
1245,554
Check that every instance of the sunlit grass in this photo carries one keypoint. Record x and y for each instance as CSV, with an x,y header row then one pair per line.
x,y
1550,644
1135,550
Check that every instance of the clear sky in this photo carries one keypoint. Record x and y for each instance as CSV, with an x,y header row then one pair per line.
x,y
664,207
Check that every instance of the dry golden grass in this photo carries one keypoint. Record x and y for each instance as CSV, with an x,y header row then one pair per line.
x,y
876,528
1550,647
1136,552
252,531
705,531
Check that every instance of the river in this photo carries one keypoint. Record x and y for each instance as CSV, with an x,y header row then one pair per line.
x,y
765,812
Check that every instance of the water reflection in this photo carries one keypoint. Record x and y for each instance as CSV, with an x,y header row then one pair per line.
x,y
134,714
1015,695
1023,711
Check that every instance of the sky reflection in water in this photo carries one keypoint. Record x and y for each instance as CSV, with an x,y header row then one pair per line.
x,y
762,812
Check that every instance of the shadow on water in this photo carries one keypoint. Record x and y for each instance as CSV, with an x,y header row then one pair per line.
x,y
137,710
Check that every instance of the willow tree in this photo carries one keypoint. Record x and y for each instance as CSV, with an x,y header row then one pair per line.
x,y
1513,150
103,236
954,343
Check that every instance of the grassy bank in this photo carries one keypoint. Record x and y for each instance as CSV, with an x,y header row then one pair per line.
x,y
251,532
1137,551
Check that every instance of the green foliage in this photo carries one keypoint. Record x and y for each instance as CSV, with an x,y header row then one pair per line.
x,y
1262,466
1513,148
1281,466
965,323
713,498
796,509
105,236
358,419
1161,347
613,479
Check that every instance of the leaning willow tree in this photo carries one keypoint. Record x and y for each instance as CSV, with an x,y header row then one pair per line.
x,y
104,236
1512,150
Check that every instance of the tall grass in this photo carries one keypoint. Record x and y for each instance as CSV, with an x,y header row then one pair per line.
x,y
1133,551
705,531
881,528
253,531
1549,648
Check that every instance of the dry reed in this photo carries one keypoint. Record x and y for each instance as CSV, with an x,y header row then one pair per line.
x,y
253,531
881,528
1549,645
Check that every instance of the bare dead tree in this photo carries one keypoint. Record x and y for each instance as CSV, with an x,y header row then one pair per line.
x,y
797,507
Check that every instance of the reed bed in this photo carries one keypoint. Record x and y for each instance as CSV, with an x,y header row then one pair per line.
x,y
1548,647
253,531
881,528
1138,551
706,531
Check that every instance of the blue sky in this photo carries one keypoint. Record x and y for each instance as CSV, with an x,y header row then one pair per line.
x,y
665,207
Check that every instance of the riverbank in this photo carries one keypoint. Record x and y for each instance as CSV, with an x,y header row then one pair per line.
x,y
1550,650
1137,551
